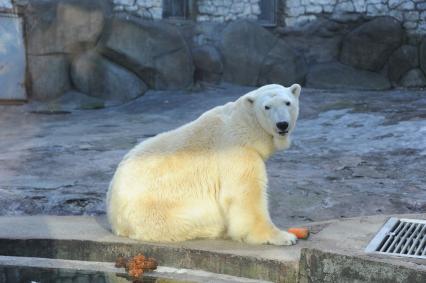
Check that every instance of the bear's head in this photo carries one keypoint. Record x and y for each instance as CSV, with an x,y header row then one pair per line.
x,y
276,109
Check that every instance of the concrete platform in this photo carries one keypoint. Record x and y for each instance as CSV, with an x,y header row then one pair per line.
x,y
333,253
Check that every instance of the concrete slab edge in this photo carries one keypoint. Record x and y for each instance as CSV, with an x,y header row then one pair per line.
x,y
109,267
322,266
221,263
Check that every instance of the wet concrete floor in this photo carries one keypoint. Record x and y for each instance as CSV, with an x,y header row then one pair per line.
x,y
354,153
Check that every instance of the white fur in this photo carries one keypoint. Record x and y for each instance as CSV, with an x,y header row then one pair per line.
x,y
206,179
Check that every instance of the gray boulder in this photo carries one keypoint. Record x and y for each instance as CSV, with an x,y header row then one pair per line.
x,y
156,51
252,56
96,76
403,59
339,76
319,40
64,26
208,63
369,46
413,78
282,65
244,46
48,76
423,55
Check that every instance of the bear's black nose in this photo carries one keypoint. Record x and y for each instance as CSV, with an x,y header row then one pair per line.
x,y
282,126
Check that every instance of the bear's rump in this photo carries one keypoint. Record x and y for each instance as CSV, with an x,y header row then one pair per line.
x,y
169,199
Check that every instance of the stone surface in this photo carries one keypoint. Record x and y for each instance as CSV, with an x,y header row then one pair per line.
x,y
74,100
422,54
12,59
97,76
338,76
149,9
295,13
244,46
69,101
223,11
48,76
353,153
413,78
208,63
254,56
319,41
370,45
64,26
156,51
403,59
282,65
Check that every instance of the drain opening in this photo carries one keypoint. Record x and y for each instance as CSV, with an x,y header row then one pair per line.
x,y
400,237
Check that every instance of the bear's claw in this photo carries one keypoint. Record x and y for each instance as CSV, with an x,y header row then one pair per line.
x,y
283,239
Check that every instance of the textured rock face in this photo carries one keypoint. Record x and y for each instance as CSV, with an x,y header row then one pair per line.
x,y
299,12
225,10
97,76
155,51
49,76
54,30
282,65
155,54
370,45
413,78
244,46
252,55
64,26
148,9
339,76
422,54
403,59
208,63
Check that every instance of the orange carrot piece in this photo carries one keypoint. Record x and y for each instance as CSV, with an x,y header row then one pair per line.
x,y
300,233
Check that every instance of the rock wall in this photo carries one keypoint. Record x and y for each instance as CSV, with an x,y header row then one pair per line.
x,y
110,51
412,13
86,46
294,13
227,10
148,9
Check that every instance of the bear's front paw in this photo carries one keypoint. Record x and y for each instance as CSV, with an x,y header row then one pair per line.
x,y
283,238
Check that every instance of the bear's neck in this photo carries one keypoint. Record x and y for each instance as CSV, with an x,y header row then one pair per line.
x,y
251,133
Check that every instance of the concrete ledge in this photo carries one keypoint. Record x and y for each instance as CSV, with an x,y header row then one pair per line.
x,y
89,239
320,266
48,269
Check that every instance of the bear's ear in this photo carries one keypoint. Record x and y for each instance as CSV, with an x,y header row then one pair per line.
x,y
250,97
295,90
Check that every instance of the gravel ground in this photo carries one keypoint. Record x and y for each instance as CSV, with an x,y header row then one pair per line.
x,y
353,153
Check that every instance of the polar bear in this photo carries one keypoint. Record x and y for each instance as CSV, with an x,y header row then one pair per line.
x,y
207,179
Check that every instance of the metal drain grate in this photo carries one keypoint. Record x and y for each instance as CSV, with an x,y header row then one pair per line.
x,y
401,237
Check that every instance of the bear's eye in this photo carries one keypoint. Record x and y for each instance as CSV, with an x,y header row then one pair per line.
x,y
267,107
287,103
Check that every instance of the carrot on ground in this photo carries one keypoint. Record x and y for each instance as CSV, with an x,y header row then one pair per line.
x,y
300,233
